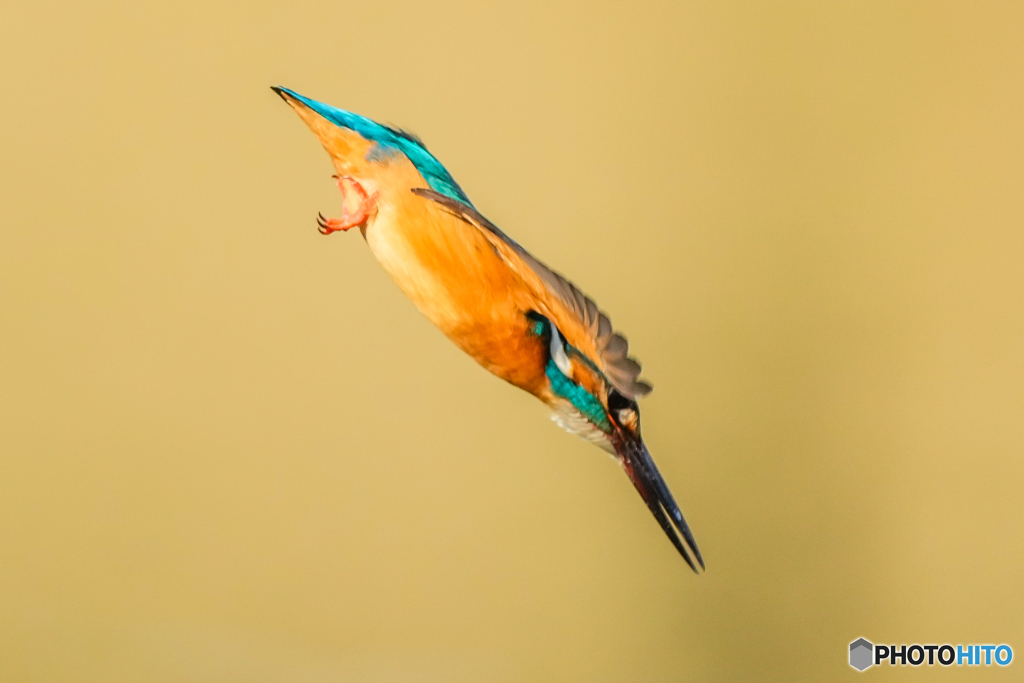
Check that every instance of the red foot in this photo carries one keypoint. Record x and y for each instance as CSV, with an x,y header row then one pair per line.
x,y
364,205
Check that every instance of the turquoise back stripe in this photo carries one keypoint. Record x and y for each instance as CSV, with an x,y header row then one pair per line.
x,y
583,400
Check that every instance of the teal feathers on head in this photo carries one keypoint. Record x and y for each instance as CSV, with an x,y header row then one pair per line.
x,y
389,142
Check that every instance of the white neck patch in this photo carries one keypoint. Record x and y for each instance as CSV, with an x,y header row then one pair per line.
x,y
558,353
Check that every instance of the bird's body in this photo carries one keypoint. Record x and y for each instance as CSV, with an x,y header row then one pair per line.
x,y
454,276
510,313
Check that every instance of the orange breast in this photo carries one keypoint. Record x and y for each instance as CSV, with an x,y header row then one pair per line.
x,y
454,276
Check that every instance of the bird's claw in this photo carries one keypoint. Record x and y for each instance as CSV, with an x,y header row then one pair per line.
x,y
364,206
327,225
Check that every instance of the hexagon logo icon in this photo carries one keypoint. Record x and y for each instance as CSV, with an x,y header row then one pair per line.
x,y
862,654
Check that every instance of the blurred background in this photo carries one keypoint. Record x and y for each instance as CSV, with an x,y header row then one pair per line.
x,y
231,450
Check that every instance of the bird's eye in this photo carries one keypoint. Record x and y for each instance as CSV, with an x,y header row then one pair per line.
x,y
617,401
624,411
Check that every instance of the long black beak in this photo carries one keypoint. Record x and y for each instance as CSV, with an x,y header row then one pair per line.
x,y
644,474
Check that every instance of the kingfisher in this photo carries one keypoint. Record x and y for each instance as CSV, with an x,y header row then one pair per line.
x,y
512,314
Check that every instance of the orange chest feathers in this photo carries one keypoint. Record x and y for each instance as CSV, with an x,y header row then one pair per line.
x,y
455,277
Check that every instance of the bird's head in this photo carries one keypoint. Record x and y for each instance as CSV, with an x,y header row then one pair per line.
x,y
374,154
587,403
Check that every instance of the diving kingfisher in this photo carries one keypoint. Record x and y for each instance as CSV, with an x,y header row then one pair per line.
x,y
515,316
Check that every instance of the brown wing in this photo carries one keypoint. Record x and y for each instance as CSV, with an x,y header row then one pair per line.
x,y
581,322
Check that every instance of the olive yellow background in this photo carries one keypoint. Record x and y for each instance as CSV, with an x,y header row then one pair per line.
x,y
231,450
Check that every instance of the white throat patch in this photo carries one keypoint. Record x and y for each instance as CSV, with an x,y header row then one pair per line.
x,y
558,353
